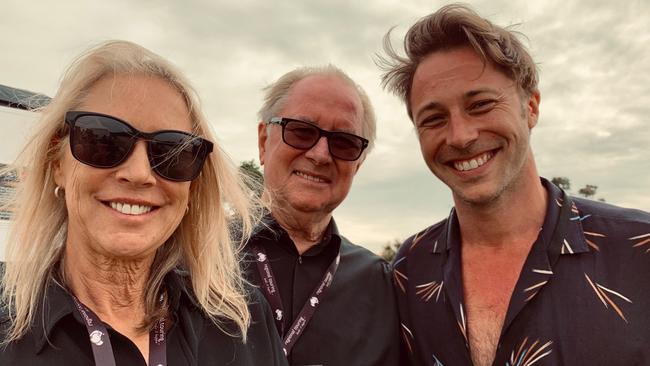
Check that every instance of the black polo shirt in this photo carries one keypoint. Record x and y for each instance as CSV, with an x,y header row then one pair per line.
x,y
582,297
59,337
356,322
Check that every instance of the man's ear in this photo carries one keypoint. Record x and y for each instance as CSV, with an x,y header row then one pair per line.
x,y
532,109
359,162
261,140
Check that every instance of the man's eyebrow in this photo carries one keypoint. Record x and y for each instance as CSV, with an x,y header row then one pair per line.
x,y
428,107
473,93
310,120
303,119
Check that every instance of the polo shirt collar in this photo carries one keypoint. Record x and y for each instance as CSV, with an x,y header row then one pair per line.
x,y
561,233
271,230
57,304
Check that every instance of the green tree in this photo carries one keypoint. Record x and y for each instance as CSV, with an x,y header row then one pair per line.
x,y
390,250
253,176
562,182
588,191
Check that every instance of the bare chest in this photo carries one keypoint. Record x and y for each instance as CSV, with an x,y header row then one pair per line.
x,y
488,285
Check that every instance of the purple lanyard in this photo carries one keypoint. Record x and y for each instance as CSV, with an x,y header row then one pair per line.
x,y
272,294
101,342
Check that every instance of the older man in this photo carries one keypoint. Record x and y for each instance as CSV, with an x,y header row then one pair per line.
x,y
333,301
519,273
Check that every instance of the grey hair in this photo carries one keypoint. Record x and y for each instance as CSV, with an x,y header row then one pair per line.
x,y
275,97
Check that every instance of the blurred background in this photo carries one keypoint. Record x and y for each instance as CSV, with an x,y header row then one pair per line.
x,y
593,58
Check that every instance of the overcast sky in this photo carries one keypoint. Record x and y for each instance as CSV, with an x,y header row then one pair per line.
x,y
593,56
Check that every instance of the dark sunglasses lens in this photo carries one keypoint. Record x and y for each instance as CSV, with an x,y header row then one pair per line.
x,y
100,141
300,135
345,146
177,156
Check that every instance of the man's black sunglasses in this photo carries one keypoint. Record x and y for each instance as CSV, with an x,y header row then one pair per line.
x,y
304,135
104,141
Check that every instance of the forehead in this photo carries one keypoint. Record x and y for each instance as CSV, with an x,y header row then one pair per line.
x,y
149,103
444,74
326,100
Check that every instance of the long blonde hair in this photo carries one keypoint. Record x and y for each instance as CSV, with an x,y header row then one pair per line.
x,y
207,243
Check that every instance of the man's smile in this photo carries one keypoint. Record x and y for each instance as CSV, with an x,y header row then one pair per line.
x,y
473,163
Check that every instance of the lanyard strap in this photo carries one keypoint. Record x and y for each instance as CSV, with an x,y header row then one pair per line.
x,y
101,342
272,294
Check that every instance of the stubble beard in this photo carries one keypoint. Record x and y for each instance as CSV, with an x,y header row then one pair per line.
x,y
505,186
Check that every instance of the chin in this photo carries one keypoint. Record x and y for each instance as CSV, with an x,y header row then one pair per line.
x,y
308,205
129,248
477,196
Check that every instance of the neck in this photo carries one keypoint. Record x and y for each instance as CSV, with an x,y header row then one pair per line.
x,y
304,230
515,217
112,288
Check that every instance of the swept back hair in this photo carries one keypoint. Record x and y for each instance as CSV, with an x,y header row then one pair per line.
x,y
454,26
276,94
207,243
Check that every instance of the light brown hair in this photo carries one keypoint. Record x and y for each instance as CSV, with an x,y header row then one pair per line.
x,y
454,26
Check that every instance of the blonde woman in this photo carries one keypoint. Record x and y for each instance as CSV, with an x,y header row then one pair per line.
x,y
121,249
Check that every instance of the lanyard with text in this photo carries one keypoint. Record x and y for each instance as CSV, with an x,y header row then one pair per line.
x,y
272,294
101,342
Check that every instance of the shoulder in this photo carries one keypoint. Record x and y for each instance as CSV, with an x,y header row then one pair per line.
x,y
614,219
256,302
611,212
262,333
421,240
361,258
259,308
221,344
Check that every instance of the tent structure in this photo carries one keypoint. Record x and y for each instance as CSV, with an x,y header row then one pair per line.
x,y
21,99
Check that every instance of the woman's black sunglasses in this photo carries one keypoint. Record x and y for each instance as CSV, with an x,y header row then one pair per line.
x,y
103,141
304,135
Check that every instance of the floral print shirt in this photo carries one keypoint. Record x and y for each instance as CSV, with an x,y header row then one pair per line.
x,y
582,298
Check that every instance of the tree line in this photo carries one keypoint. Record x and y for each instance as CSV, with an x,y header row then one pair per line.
x,y
390,249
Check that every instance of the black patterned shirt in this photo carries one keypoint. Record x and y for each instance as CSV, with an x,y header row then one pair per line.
x,y
582,298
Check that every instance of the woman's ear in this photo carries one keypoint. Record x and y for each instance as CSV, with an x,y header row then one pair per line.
x,y
58,171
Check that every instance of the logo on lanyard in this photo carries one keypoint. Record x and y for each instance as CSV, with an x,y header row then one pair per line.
x,y
313,301
96,337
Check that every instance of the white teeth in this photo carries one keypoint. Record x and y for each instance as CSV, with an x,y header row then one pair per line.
x,y
473,163
310,177
128,209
